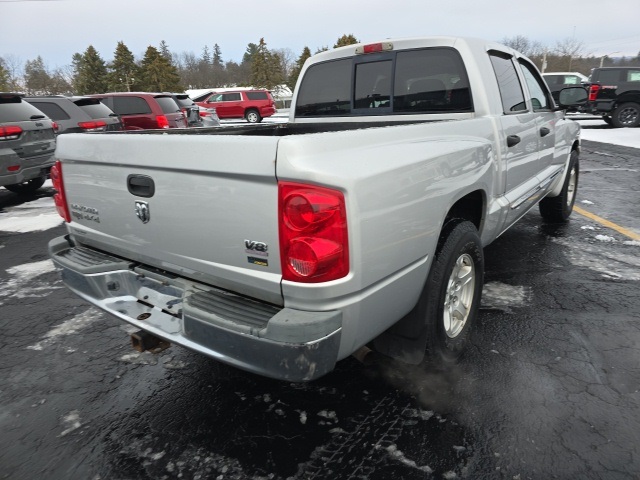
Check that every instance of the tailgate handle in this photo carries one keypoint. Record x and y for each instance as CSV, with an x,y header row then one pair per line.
x,y
141,185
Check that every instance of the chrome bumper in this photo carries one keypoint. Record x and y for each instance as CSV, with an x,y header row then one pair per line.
x,y
276,342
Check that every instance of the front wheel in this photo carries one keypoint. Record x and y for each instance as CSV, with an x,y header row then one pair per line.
x,y
252,116
27,187
558,209
626,115
451,296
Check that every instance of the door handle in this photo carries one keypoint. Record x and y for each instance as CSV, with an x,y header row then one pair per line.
x,y
141,185
513,140
544,131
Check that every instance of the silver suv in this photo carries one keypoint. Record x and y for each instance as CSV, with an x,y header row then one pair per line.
x,y
27,144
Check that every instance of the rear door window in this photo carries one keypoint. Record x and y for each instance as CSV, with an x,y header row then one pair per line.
x,y
18,111
511,91
167,104
94,109
51,110
130,106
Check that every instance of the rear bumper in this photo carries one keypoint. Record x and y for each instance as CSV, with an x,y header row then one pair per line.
x,y
31,168
276,342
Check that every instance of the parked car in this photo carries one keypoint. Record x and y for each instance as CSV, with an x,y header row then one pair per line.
x,y
209,117
252,105
144,111
614,93
193,112
77,114
27,144
559,80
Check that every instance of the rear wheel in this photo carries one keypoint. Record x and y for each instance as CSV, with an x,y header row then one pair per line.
x,y
252,116
451,296
27,187
558,209
626,115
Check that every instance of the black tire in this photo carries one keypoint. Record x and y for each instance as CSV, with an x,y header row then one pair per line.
x,y
626,115
27,187
451,297
252,116
558,209
607,120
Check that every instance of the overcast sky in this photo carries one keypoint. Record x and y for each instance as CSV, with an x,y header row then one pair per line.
x,y
56,29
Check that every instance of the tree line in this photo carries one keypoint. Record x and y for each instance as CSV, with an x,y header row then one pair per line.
x,y
160,70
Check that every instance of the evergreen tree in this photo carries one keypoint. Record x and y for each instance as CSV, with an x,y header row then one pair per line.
x,y
157,74
297,68
164,51
345,40
5,80
123,71
37,79
265,68
217,68
252,49
90,72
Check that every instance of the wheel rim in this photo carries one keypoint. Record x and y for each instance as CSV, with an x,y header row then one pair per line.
x,y
459,295
571,187
252,117
628,115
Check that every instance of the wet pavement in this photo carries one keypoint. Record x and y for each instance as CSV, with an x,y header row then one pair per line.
x,y
549,389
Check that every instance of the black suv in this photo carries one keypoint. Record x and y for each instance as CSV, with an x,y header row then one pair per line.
x,y
77,114
614,93
27,144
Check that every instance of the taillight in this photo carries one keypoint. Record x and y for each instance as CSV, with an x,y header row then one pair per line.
x,y
60,198
93,126
55,126
12,132
162,121
593,92
313,233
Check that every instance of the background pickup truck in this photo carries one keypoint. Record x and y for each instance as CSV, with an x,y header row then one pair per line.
x,y
360,223
614,93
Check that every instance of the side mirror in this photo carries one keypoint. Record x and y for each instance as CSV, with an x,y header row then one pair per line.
x,y
572,97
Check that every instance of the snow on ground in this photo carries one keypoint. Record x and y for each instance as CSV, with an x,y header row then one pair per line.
x,y
627,137
32,216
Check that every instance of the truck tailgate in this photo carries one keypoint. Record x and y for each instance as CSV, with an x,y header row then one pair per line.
x,y
204,207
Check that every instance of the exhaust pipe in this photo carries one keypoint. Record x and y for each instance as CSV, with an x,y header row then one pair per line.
x,y
364,355
142,341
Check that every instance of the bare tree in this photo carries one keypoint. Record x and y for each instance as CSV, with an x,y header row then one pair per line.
x,y
569,48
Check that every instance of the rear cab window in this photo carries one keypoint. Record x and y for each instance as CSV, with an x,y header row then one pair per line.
x,y
428,80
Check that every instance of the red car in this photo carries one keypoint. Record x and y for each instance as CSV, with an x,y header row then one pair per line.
x,y
144,111
252,105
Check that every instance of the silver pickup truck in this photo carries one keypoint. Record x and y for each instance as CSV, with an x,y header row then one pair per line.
x,y
284,248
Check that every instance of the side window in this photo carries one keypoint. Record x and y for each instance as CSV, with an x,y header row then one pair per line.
x,y
325,90
130,106
537,88
633,76
257,95
231,97
373,85
508,83
609,77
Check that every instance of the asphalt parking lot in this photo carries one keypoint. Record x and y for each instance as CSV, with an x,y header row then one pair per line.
x,y
550,388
